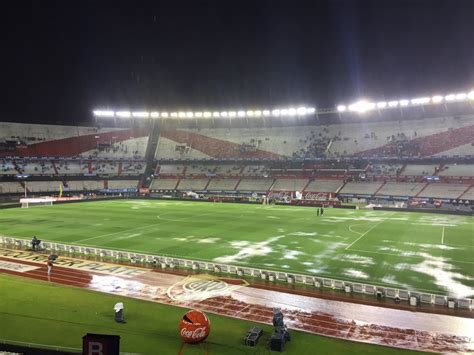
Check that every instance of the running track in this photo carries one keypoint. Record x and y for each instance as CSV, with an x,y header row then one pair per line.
x,y
363,323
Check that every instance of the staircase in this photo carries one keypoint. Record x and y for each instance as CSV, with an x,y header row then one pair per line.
x,y
153,139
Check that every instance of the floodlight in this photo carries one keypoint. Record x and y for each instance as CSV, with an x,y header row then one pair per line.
x,y
103,113
181,114
216,114
301,111
436,99
140,114
164,114
250,113
224,114
392,103
341,108
284,111
276,112
361,106
470,96
124,114
310,110
154,114
266,112
381,104
404,102
198,114
232,113
420,100
291,111
241,113
189,114
257,113
450,97
174,114
207,114
461,96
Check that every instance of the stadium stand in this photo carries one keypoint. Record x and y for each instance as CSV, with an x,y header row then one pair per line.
x,y
222,184
469,194
171,170
457,170
192,184
164,184
441,190
290,184
419,170
361,188
7,167
122,184
400,189
86,185
320,185
11,188
255,185
384,169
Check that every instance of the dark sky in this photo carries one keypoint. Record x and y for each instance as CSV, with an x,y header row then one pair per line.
x,y
61,59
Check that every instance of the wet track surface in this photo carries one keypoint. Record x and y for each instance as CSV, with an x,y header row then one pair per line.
x,y
235,298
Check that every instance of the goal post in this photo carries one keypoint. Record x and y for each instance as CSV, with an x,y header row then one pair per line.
x,y
36,202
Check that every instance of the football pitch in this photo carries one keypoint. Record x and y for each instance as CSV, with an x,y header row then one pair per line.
x,y
427,252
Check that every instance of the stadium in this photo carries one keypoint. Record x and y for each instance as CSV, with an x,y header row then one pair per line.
x,y
295,201
241,178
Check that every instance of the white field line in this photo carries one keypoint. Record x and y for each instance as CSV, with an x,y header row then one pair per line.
x,y
350,229
442,237
140,228
362,235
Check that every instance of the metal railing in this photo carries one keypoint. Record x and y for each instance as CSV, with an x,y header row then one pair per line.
x,y
414,297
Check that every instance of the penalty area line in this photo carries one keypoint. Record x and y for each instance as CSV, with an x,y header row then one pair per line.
x,y
442,237
362,235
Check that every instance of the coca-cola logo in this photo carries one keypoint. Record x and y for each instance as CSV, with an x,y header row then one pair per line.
x,y
316,196
197,333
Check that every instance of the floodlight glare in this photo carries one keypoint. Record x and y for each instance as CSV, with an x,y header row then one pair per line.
x,y
392,103
362,106
266,112
124,114
301,111
257,113
181,114
381,104
284,112
207,114
291,111
164,114
198,114
341,108
450,97
250,113
276,112
140,114
154,114
241,113
404,102
189,114
103,113
174,114
420,101
470,96
436,99
310,110
216,114
224,114
232,113
461,96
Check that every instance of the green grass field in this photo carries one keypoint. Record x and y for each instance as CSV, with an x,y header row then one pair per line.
x,y
44,313
427,252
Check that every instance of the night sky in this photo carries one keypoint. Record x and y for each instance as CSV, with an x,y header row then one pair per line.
x,y
60,60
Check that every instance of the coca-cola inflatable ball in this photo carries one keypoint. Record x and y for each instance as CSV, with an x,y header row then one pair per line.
x,y
194,327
